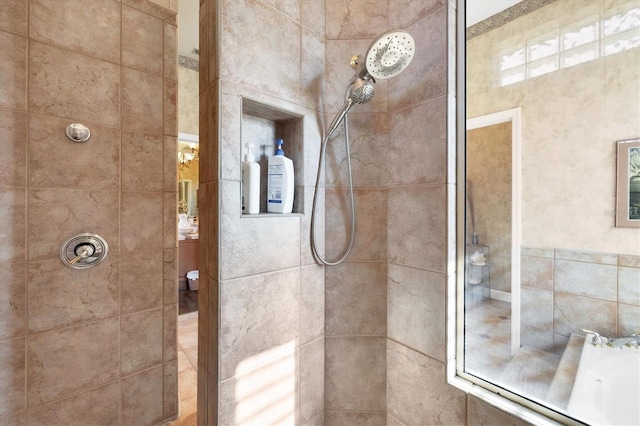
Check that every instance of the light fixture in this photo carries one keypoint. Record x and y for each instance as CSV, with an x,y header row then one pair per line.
x,y
186,155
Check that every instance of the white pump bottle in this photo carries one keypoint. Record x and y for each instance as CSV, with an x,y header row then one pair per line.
x,y
250,183
280,182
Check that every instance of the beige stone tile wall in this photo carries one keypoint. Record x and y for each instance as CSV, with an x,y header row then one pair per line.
x,y
262,280
97,345
564,291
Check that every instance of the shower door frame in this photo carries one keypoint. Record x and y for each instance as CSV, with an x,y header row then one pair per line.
x,y
512,116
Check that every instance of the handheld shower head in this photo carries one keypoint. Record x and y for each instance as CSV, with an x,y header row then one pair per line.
x,y
386,57
359,92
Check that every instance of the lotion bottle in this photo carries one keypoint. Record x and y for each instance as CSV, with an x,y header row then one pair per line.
x,y
250,183
280,182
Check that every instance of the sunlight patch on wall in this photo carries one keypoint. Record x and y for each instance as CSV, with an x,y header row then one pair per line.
x,y
265,391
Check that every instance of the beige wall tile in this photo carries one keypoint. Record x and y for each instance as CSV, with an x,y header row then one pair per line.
x,y
587,256
61,296
170,166
170,389
12,376
312,63
170,106
141,232
416,299
142,398
61,362
369,147
426,75
142,161
418,392
629,260
312,303
255,245
586,279
572,313
142,41
50,154
96,26
13,16
536,272
75,211
367,22
418,154
270,53
95,406
354,418
140,341
370,244
628,319
312,16
170,221
156,8
13,147
417,233
170,332
13,71
170,51
13,224
141,102
311,380
537,308
58,85
142,285
405,12
355,377
629,285
306,255
170,276
13,301
356,299
251,323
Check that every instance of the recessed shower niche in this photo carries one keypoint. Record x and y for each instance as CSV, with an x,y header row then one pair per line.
x,y
261,126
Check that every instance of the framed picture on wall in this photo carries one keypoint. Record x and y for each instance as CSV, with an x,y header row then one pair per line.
x,y
628,184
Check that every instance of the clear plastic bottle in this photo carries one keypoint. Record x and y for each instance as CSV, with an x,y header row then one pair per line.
x,y
280,182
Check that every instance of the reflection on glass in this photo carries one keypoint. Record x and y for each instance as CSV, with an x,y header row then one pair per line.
x,y
565,251
618,32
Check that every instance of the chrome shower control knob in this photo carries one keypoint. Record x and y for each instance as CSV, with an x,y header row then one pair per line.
x,y
78,132
83,251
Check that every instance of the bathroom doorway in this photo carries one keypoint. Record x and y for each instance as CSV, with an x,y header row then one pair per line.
x,y
493,227
188,223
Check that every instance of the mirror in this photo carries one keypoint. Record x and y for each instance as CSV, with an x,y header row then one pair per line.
x,y
550,89
188,164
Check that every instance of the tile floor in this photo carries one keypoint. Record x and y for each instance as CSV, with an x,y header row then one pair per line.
x,y
487,352
187,364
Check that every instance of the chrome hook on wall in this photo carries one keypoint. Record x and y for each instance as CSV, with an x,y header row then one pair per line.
x,y
78,132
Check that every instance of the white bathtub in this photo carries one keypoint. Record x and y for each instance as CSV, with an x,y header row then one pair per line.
x,y
606,390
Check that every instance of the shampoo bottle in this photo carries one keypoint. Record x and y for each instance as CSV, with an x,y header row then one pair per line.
x,y
280,182
250,183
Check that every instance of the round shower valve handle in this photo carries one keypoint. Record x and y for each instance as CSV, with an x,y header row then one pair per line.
x,y
83,251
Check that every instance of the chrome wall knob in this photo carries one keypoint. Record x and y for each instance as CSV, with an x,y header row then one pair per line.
x,y
78,132
83,251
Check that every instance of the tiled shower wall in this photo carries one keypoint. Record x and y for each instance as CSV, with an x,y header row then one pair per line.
x,y
264,294
564,291
384,314
98,345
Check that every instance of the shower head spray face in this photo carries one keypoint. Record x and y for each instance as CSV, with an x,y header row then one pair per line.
x,y
390,54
